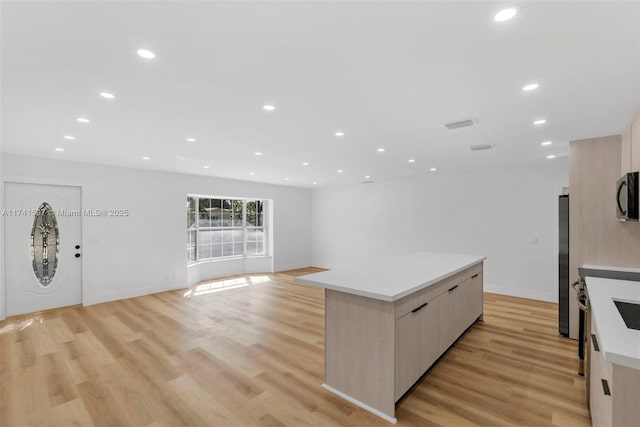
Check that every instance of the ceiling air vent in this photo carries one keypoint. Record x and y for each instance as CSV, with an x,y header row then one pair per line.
x,y
480,147
460,124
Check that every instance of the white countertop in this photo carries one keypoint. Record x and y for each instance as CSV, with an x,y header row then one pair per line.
x,y
618,343
392,278
607,267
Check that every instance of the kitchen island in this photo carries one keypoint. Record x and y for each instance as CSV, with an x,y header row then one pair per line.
x,y
388,321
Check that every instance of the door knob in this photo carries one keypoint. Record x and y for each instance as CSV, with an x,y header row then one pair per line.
x,y
77,246
77,255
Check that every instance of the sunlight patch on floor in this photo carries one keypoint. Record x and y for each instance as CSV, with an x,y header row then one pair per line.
x,y
224,285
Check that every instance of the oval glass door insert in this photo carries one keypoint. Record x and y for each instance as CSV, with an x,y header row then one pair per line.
x,y
45,244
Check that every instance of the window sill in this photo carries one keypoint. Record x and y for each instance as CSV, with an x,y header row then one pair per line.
x,y
223,259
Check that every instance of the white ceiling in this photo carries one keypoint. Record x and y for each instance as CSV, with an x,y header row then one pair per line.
x,y
388,74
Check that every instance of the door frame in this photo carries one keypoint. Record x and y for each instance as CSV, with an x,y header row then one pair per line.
x,y
37,181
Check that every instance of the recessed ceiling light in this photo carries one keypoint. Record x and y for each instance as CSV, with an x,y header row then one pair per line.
x,y
268,107
191,140
315,183
69,137
540,122
412,160
146,158
505,14
380,150
305,163
206,166
82,120
286,179
60,149
530,87
433,169
546,143
252,173
146,54
258,153
551,156
367,177
339,133
107,95
340,171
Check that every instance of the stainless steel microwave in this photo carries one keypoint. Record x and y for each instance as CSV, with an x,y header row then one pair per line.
x,y
627,197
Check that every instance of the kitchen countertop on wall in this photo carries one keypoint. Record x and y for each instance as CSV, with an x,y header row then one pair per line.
x,y
618,343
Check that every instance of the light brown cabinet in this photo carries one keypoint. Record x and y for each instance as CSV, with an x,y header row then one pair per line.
x,y
376,350
613,388
635,145
408,331
630,146
425,332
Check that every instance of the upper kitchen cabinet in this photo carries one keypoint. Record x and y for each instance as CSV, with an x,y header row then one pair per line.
x,y
625,158
635,144
630,154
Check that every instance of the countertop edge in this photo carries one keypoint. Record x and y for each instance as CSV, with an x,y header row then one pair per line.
x,y
388,298
619,359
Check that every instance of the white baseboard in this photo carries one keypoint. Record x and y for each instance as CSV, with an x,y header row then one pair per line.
x,y
289,267
130,293
364,406
522,293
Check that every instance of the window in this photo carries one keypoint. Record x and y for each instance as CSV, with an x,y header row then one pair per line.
x,y
220,228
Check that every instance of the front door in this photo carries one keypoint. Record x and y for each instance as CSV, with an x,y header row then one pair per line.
x,y
43,263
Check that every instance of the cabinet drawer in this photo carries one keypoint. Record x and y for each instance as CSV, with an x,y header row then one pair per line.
x,y
411,302
606,367
600,400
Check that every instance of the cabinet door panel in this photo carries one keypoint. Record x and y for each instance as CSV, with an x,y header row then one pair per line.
x,y
429,326
635,145
407,363
461,300
599,403
475,298
626,151
445,321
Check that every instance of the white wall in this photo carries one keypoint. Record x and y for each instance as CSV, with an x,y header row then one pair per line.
x,y
142,253
1,241
498,214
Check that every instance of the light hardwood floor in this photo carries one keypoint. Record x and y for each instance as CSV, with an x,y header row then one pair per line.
x,y
252,354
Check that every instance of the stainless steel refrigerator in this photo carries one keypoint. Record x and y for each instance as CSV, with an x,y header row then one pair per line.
x,y
563,264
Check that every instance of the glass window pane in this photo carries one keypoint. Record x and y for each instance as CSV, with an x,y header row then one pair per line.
x,y
204,237
251,212
236,206
216,251
191,212
191,253
251,248
204,251
226,213
216,236
203,212
237,248
216,213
